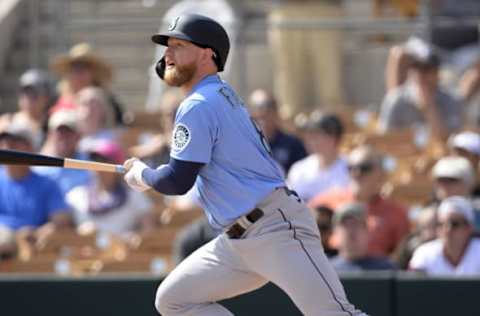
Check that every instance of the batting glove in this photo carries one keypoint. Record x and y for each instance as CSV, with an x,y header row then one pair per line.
x,y
134,177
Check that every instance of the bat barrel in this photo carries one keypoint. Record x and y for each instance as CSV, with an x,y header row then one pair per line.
x,y
13,157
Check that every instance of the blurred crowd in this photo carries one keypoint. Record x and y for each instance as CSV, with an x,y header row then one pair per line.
x,y
393,190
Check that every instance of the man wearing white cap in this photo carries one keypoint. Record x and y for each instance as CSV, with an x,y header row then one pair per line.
x,y
467,144
452,176
62,141
455,252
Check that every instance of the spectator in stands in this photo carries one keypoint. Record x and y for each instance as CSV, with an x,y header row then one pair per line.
x,y
425,229
106,204
420,101
324,168
8,244
35,95
387,221
64,135
459,45
286,148
452,176
82,68
192,237
28,201
455,176
455,252
350,222
96,119
324,218
467,144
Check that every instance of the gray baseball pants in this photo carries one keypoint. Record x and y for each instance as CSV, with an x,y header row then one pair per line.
x,y
283,247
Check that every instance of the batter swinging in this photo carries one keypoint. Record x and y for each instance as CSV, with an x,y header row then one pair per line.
x,y
268,233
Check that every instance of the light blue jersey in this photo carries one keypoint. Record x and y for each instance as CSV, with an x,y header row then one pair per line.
x,y
212,126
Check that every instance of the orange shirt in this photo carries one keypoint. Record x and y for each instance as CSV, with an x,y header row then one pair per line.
x,y
387,222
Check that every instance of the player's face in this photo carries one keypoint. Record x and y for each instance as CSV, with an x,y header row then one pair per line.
x,y
181,58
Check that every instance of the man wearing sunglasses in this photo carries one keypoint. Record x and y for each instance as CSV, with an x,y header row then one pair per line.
x,y
387,222
455,252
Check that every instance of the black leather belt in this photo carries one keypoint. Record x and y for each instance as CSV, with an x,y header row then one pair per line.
x,y
236,230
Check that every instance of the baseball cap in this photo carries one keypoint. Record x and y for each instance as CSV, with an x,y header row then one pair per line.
x,y
422,53
19,131
469,141
108,150
327,123
350,210
457,205
261,100
455,168
68,118
36,79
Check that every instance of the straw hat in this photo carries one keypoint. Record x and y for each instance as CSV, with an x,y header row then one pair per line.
x,y
83,52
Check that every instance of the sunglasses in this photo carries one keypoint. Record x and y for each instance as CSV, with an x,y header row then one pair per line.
x,y
448,180
30,92
454,224
361,168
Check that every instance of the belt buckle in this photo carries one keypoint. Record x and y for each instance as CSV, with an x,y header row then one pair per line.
x,y
241,224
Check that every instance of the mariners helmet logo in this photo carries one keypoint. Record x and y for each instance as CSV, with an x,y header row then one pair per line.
x,y
173,24
181,137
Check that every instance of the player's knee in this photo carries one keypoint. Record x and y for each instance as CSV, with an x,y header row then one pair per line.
x,y
160,302
165,302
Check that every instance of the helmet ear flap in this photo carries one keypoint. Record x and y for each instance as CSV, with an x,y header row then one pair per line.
x,y
160,67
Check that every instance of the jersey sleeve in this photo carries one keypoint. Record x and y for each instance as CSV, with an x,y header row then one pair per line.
x,y
194,133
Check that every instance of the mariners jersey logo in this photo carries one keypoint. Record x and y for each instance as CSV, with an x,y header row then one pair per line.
x,y
173,24
181,137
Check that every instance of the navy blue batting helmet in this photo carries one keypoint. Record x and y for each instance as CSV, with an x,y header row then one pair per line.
x,y
201,31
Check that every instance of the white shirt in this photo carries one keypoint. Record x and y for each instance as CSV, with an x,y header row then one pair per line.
x,y
118,221
308,179
429,258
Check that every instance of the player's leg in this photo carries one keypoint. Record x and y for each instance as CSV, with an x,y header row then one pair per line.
x,y
288,252
210,274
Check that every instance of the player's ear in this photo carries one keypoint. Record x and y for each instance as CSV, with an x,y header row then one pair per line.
x,y
208,55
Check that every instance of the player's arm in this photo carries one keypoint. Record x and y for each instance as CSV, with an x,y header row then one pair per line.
x,y
174,178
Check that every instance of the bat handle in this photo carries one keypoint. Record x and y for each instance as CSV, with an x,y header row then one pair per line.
x,y
120,169
92,165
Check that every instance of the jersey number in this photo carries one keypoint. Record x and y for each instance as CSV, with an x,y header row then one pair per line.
x,y
234,100
263,139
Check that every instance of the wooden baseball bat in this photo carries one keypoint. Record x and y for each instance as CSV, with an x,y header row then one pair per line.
x,y
12,157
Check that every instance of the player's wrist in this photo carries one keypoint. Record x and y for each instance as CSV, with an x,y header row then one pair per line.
x,y
139,168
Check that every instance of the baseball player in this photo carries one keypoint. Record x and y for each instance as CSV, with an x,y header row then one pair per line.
x,y
268,233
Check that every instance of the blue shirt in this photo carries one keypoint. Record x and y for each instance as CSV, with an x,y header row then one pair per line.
x,y
30,201
287,149
66,178
213,126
